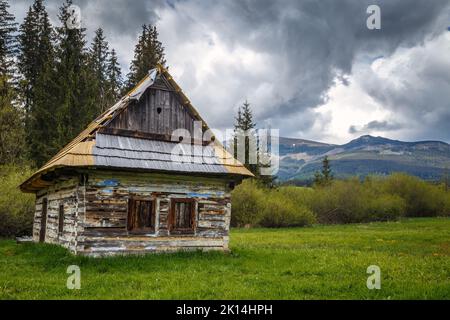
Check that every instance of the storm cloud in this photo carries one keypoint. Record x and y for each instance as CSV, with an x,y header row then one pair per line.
x,y
376,126
286,57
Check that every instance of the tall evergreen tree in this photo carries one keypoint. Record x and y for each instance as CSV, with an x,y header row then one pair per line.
x,y
76,90
147,54
35,49
42,133
244,130
98,60
325,177
37,85
11,117
8,44
12,133
114,79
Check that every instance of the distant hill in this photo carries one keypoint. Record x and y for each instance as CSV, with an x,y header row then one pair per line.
x,y
299,159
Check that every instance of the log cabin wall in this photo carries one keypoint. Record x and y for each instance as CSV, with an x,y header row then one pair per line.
x,y
107,197
63,197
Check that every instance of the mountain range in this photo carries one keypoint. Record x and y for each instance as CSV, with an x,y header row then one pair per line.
x,y
366,155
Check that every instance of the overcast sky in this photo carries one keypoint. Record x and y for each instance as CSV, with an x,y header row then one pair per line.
x,y
310,68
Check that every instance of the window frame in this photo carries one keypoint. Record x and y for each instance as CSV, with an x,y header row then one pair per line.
x,y
181,231
145,230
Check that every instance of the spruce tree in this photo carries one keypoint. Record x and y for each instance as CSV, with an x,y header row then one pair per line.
x,y
325,176
147,54
114,79
42,134
98,60
76,84
36,65
245,126
8,44
12,133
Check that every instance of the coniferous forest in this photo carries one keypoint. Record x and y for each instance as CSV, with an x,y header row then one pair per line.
x,y
53,82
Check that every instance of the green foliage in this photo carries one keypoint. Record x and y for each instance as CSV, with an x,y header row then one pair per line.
x,y
247,203
245,138
98,59
114,79
422,199
280,211
343,201
325,177
16,207
8,45
256,205
148,53
63,85
12,133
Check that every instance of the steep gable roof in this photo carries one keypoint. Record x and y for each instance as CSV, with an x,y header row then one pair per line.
x,y
92,148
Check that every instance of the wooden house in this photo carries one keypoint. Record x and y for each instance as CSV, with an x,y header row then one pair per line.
x,y
120,188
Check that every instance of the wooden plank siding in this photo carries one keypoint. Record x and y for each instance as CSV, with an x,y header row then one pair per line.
x,y
96,213
64,194
158,111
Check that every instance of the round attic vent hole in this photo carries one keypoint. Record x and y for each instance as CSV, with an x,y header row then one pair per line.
x,y
158,110
180,138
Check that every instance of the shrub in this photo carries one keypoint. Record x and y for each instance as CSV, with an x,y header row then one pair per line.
x,y
16,208
350,201
422,199
386,207
280,211
247,201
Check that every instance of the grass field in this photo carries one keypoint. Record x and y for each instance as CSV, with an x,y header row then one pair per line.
x,y
322,262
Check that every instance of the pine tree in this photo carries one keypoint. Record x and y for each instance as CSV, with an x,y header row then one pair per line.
x,y
36,57
8,44
114,79
76,84
42,133
12,134
244,129
147,54
325,177
98,59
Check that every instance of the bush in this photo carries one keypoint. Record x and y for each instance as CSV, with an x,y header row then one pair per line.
x,y
247,201
280,211
342,201
422,199
386,207
16,208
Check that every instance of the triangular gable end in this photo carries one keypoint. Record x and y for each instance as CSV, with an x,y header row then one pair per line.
x,y
157,107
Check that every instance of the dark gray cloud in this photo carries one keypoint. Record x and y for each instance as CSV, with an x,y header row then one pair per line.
x,y
284,56
375,126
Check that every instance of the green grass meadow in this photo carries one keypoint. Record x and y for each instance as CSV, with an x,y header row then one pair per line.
x,y
320,262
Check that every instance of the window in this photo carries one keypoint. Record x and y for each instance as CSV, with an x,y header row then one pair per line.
x,y
141,215
61,218
182,216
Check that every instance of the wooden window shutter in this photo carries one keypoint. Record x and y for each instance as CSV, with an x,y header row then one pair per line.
x,y
182,216
141,215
